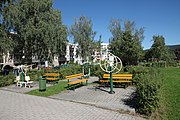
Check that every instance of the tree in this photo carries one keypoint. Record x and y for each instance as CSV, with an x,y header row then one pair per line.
x,y
6,42
39,29
159,50
126,43
83,35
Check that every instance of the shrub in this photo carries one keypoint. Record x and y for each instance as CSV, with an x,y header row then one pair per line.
x,y
64,71
136,69
34,74
96,71
147,91
7,80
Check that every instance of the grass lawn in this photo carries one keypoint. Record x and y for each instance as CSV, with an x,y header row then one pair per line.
x,y
170,93
55,89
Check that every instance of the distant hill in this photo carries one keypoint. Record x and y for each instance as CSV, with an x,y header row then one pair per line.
x,y
174,47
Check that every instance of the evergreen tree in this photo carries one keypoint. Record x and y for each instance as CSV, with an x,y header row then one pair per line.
x,y
159,50
126,43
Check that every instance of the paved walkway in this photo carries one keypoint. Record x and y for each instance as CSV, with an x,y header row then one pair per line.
x,y
14,88
17,106
84,103
120,101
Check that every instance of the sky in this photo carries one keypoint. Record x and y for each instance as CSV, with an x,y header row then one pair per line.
x,y
157,17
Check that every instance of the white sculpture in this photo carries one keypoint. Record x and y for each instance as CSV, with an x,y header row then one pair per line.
x,y
113,61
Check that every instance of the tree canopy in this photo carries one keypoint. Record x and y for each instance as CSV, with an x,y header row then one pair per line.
x,y
83,34
39,30
6,42
126,43
159,50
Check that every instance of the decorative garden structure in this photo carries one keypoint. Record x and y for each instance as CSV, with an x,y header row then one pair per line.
x,y
112,64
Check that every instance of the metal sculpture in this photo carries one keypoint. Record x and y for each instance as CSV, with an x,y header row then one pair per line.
x,y
112,64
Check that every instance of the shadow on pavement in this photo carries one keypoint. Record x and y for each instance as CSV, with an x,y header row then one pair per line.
x,y
131,101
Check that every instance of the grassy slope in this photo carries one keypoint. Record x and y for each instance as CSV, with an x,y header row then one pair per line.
x,y
170,93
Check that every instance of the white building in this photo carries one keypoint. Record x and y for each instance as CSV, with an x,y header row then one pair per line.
x,y
102,54
72,54
104,50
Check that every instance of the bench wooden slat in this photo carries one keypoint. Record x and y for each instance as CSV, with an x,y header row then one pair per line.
x,y
52,74
77,81
117,75
118,81
74,76
117,78
52,78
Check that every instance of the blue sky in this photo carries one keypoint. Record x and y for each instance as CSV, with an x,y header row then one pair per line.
x,y
158,17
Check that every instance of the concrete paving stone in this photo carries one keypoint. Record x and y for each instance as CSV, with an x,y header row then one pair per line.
x,y
17,106
14,88
101,98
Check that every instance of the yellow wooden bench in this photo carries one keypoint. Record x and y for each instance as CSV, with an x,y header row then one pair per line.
x,y
117,78
76,79
52,76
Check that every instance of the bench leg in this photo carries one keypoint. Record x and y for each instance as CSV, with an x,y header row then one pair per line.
x,y
68,87
125,85
73,87
86,82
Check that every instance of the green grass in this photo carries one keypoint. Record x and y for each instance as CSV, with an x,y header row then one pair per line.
x,y
170,94
55,89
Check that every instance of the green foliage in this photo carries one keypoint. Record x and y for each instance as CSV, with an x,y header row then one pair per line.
x,y
136,69
170,94
154,64
39,29
55,89
126,43
71,69
6,41
147,87
96,71
159,51
83,34
7,80
34,74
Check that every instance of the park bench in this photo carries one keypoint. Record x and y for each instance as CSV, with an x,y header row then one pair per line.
x,y
123,79
52,77
76,79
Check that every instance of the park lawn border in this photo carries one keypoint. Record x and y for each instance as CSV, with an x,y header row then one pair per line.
x,y
52,90
169,104
171,92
